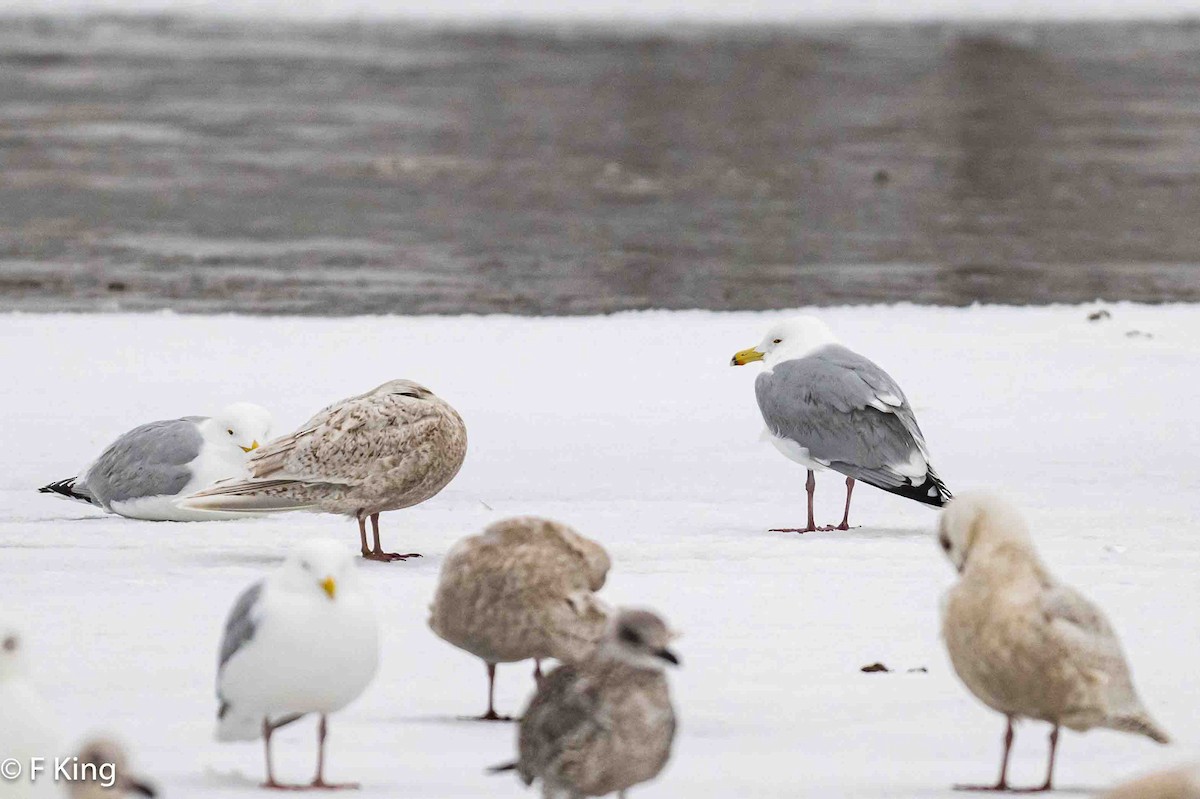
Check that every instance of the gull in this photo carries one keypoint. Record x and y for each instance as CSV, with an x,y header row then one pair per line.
x,y
1177,783
304,640
391,448
143,473
1025,644
28,728
104,773
606,724
827,407
523,589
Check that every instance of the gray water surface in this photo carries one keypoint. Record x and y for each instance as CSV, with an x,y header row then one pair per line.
x,y
342,169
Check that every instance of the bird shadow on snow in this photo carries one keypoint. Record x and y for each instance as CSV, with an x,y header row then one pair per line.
x,y
472,721
858,534
236,558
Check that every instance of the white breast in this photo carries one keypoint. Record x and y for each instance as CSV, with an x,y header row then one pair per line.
x,y
795,452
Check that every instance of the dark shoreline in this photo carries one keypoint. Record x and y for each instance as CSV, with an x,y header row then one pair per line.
x,y
344,168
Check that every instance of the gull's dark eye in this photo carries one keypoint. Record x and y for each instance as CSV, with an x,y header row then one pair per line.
x,y
945,542
630,636
778,340
230,432
10,643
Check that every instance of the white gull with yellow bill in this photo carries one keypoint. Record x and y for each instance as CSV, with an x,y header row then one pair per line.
x,y
827,407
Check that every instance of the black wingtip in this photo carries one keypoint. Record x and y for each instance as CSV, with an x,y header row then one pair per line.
x,y
932,492
502,768
65,488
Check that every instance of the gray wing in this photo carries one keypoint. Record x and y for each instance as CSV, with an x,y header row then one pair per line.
x,y
561,713
148,461
851,415
241,624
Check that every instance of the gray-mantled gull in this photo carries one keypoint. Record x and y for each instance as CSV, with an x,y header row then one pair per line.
x,y
606,724
142,473
101,771
523,589
827,407
391,448
1182,782
304,640
1025,644
28,728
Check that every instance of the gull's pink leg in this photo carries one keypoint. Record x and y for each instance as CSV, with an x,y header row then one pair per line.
x,y
845,525
491,714
1002,783
810,485
377,553
318,782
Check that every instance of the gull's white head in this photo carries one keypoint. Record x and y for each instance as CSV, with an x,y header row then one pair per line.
x,y
12,652
243,425
321,568
975,523
791,338
639,638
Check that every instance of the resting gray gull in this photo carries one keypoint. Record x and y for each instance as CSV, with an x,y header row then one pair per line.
x,y
391,448
143,473
827,407
523,589
304,640
1026,645
606,724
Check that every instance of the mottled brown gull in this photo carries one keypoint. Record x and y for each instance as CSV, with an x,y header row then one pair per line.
x,y
1025,644
1177,783
391,448
520,590
607,724
101,771
827,407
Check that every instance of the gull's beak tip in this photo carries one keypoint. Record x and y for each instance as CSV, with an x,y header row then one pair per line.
x,y
330,586
745,356
253,446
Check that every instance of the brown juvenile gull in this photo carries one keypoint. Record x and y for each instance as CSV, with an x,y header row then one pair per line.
x,y
1177,783
521,590
102,770
827,407
391,448
606,724
1025,644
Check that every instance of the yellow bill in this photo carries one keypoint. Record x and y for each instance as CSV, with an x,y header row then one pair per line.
x,y
745,356
330,587
253,446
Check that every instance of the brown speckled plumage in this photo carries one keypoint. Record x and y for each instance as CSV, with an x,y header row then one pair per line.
x,y
522,589
391,448
607,723
1176,783
1025,644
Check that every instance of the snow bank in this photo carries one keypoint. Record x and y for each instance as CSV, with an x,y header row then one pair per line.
x,y
634,429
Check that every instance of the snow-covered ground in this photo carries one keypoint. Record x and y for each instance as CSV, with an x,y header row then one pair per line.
x,y
634,429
